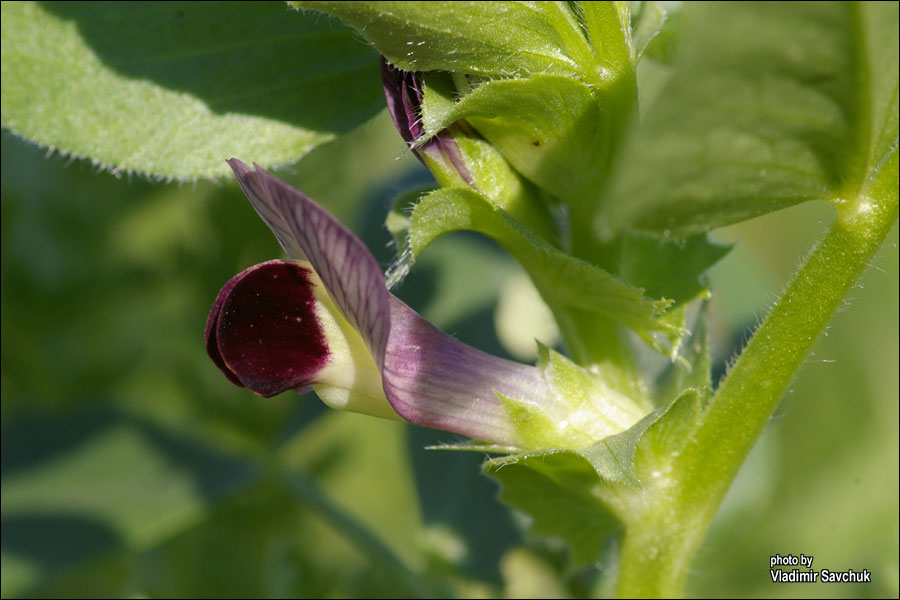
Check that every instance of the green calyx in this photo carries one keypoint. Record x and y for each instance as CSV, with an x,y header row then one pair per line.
x,y
584,409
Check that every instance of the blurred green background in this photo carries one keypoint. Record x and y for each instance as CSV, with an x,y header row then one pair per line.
x,y
130,466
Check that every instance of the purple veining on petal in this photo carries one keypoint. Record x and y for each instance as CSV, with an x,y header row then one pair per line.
x,y
268,212
434,380
346,267
404,93
263,332
404,97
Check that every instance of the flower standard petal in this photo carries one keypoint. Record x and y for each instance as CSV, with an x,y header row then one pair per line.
x,y
267,211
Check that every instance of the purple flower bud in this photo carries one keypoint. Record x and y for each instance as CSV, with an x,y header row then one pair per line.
x,y
404,92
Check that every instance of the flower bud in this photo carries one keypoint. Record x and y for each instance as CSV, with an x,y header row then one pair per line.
x,y
457,155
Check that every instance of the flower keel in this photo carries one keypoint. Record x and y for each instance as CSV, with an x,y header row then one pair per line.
x,y
274,328
263,332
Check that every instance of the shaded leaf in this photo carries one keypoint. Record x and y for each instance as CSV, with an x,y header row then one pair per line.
x,y
122,458
661,47
692,369
801,110
469,530
650,21
674,269
55,517
174,89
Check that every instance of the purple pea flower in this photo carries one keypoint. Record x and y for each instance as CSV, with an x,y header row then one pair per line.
x,y
326,319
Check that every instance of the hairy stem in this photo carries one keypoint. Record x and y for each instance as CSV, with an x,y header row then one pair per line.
x,y
661,541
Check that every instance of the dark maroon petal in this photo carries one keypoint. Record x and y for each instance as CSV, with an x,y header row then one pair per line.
x,y
212,342
346,267
263,332
434,380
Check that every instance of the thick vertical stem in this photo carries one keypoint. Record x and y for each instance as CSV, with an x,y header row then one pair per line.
x,y
662,539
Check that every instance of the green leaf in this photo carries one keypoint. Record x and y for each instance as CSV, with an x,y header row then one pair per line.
x,y
559,490
264,518
661,47
623,458
496,38
584,496
562,279
554,130
576,385
83,269
613,457
75,488
674,269
801,110
488,171
174,89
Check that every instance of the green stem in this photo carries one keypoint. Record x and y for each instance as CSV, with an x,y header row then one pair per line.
x,y
663,537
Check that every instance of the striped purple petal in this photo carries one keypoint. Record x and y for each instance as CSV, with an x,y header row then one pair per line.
x,y
434,380
270,213
403,92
